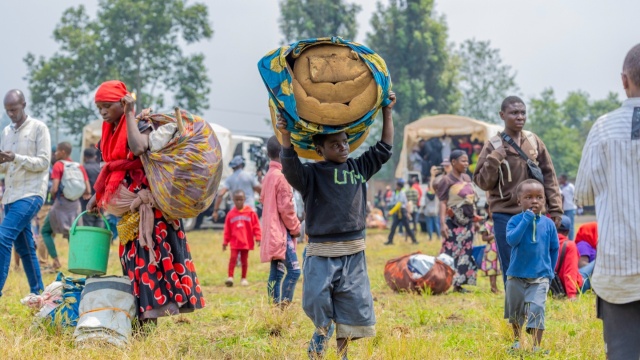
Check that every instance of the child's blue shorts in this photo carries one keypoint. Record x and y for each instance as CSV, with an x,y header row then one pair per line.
x,y
337,289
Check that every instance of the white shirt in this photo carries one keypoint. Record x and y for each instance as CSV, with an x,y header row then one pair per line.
x,y
567,195
608,177
399,197
242,180
28,174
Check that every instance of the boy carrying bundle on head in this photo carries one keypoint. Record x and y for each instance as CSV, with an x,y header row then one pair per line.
x,y
534,242
336,286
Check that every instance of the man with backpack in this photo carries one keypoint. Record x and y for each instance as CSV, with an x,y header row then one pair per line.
x,y
506,160
92,168
69,183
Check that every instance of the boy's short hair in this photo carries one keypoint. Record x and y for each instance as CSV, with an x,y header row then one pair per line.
x,y
239,192
273,148
527,182
631,65
319,139
65,146
510,100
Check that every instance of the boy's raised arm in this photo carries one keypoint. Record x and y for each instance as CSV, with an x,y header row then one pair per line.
x,y
516,229
387,120
292,168
371,161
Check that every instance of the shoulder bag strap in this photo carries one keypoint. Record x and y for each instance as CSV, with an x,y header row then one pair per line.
x,y
510,141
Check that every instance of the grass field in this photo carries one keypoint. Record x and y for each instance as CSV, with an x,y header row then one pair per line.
x,y
239,322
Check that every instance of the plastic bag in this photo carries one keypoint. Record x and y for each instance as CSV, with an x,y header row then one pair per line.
x,y
59,301
420,264
184,174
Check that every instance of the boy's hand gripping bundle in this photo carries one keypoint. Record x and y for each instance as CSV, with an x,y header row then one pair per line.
x,y
324,86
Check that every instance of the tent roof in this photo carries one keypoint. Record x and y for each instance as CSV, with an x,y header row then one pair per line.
x,y
441,125
451,125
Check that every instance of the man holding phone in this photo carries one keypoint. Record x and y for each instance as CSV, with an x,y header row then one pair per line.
x,y
24,159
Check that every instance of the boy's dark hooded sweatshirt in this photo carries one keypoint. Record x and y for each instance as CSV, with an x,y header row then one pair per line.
x,y
334,194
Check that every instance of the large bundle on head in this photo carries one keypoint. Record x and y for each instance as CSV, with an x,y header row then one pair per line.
x,y
324,86
184,172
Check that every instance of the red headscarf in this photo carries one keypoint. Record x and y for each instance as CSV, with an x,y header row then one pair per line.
x,y
114,146
588,232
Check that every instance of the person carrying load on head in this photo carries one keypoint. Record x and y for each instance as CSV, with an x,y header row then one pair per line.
x,y
153,250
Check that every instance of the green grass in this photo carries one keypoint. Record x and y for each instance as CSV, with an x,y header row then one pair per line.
x,y
239,322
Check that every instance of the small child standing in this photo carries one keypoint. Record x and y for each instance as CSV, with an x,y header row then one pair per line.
x,y
241,227
490,258
534,242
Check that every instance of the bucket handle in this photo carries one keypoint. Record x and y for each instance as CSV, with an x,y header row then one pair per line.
x,y
75,222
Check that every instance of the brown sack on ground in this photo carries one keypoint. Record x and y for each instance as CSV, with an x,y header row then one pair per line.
x,y
398,276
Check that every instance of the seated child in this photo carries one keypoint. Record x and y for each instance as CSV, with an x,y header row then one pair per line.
x,y
534,253
241,227
587,243
336,287
567,265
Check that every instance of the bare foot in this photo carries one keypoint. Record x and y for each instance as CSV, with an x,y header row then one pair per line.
x,y
495,291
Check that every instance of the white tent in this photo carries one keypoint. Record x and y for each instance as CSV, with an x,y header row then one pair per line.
x,y
438,126
91,134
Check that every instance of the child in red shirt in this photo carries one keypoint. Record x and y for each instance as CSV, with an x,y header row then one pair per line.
x,y
569,274
241,227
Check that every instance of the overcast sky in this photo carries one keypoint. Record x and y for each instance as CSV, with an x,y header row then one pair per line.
x,y
566,45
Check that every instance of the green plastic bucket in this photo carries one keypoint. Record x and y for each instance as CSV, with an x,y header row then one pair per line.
x,y
89,248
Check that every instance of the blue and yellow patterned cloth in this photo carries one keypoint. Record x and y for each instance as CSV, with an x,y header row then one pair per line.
x,y
277,78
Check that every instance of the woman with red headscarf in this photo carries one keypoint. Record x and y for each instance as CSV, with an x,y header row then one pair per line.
x,y
153,251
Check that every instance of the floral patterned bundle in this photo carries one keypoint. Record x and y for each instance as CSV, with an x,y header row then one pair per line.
x,y
184,174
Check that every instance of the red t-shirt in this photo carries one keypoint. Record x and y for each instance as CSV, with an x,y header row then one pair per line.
x,y
241,227
58,170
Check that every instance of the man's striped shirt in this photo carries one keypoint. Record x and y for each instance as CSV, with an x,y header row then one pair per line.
x,y
609,178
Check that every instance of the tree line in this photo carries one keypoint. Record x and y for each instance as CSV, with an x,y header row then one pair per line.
x,y
432,76
137,41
